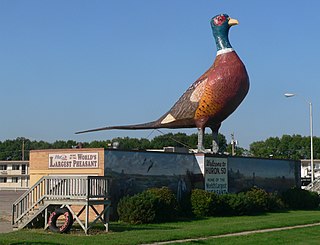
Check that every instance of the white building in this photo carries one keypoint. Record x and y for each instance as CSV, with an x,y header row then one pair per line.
x,y
306,170
14,175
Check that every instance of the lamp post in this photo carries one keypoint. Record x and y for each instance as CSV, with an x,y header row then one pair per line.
x,y
288,95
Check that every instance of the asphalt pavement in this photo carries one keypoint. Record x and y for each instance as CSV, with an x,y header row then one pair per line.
x,y
7,197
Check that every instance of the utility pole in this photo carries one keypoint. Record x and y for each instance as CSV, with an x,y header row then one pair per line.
x,y
233,145
22,149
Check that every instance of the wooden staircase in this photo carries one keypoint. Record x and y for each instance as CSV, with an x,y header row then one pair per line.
x,y
32,208
314,186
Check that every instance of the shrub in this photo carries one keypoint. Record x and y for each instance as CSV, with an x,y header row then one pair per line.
x,y
138,209
296,198
258,199
253,201
275,202
223,207
239,204
185,207
167,207
203,202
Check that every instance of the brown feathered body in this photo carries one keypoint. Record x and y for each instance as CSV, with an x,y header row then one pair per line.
x,y
208,101
212,97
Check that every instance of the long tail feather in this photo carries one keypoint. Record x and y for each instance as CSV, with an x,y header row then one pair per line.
x,y
149,125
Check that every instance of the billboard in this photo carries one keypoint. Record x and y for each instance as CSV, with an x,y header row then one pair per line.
x,y
74,160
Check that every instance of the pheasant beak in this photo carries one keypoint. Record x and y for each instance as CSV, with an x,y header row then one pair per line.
x,y
233,22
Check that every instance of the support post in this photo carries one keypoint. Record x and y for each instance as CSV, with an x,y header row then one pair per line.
x,y
215,145
200,140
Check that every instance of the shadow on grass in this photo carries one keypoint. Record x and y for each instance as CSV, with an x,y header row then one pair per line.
x,y
122,227
29,243
283,211
168,225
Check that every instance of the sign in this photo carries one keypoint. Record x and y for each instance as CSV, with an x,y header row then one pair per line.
x,y
200,161
216,175
74,160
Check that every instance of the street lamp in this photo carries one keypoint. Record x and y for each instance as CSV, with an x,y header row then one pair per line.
x,y
288,95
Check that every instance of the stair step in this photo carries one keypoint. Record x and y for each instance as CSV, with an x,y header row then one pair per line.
x,y
31,218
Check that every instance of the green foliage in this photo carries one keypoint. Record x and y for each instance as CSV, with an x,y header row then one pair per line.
x,y
167,207
152,205
184,140
287,147
170,139
253,201
127,143
138,209
262,201
12,149
203,202
296,198
238,204
275,202
239,151
259,199
99,144
160,204
60,144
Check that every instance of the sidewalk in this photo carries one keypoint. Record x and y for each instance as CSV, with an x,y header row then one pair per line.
x,y
243,233
5,227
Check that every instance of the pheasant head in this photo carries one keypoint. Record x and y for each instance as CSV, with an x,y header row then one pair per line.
x,y
220,25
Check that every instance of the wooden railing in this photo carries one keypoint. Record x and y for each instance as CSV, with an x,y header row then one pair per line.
x,y
315,186
60,187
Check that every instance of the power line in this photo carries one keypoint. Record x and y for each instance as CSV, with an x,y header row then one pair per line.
x,y
189,147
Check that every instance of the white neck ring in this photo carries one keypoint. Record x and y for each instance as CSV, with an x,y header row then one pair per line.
x,y
224,51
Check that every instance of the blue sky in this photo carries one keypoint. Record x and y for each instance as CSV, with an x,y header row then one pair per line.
x,y
73,65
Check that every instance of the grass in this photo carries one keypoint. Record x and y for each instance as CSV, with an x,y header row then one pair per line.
x,y
309,235
137,234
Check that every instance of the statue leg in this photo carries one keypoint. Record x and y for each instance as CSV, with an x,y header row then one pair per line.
x,y
215,142
200,140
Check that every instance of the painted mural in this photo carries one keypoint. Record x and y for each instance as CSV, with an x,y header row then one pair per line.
x,y
269,174
135,171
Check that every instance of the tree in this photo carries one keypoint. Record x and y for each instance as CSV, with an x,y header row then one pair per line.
x,y
287,147
188,141
60,144
170,139
99,144
266,148
239,151
12,149
127,143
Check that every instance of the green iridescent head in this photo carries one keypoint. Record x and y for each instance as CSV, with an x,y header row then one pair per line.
x,y
220,25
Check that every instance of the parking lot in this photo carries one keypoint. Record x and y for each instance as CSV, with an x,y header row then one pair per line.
x,y
7,197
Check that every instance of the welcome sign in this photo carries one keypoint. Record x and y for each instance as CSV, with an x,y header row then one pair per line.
x,y
216,175
74,160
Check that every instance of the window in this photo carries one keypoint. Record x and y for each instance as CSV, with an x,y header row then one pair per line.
x,y
23,169
3,167
15,167
14,179
3,180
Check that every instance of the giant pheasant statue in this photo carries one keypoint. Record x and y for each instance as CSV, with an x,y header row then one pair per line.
x,y
211,98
